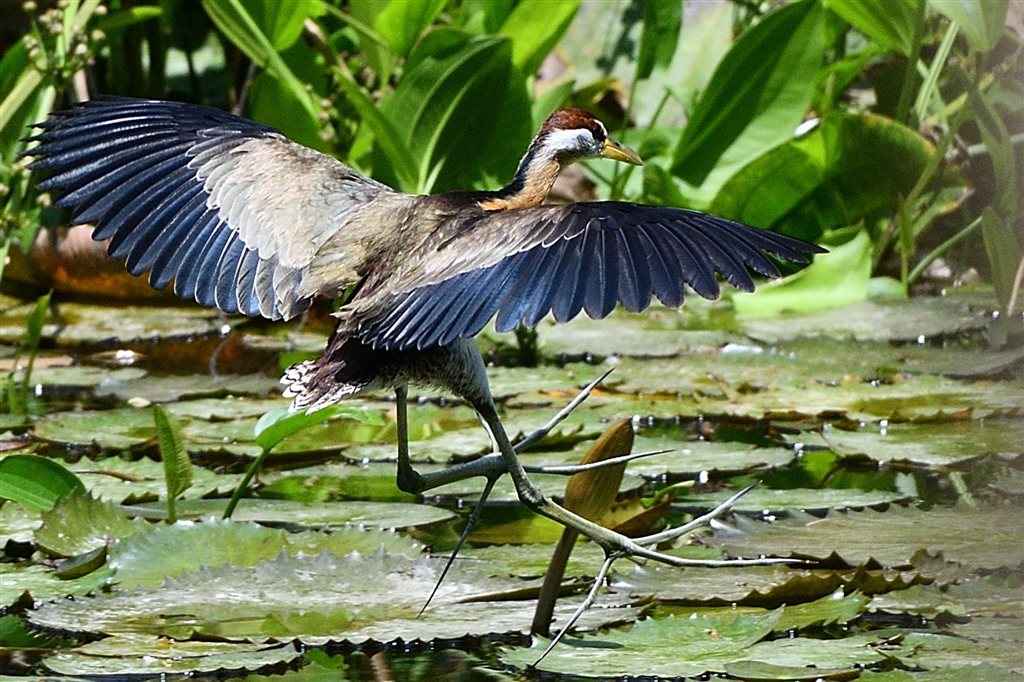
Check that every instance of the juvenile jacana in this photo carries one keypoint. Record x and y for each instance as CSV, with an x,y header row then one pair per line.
x,y
243,219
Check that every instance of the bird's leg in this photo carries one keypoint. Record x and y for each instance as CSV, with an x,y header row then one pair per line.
x,y
614,544
408,479
471,524
411,481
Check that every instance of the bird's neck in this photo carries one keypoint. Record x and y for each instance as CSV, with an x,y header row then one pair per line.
x,y
533,180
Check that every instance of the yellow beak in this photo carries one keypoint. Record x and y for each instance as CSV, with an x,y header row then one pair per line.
x,y
620,152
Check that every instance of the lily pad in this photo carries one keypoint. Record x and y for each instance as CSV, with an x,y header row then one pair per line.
x,y
765,586
941,444
327,515
43,584
146,559
768,502
118,480
82,523
318,599
989,596
871,321
702,643
983,538
147,655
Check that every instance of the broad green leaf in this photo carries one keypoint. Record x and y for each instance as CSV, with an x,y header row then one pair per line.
x,y
238,25
387,134
981,538
147,559
534,27
318,599
149,657
756,98
833,280
36,482
281,422
28,95
463,114
668,647
890,23
1005,251
177,465
81,523
281,22
828,179
982,21
401,23
663,19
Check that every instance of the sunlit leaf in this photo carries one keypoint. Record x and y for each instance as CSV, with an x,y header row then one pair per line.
x,y
36,482
81,523
146,559
757,96
828,178
981,538
982,21
534,26
401,23
351,598
890,23
833,280
670,647
660,36
146,655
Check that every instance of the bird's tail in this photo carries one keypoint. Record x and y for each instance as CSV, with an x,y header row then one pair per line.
x,y
338,374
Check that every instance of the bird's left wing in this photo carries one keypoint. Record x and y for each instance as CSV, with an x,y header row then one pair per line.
x,y
230,209
521,265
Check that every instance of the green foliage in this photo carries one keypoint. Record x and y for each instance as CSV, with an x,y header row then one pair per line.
x,y
177,465
36,483
16,396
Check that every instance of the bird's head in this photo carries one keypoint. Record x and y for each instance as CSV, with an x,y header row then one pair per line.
x,y
569,135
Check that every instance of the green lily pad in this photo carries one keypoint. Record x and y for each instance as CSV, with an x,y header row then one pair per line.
x,y
989,596
117,429
17,524
871,321
942,444
318,599
118,480
677,647
146,559
985,538
147,655
768,502
765,586
82,523
327,515
43,584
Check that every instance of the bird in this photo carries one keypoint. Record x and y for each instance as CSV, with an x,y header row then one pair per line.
x,y
242,219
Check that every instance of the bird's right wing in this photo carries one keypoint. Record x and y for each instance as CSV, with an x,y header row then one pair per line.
x,y
521,265
230,209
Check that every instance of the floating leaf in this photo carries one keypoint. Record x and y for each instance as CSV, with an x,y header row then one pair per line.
x,y
146,559
126,655
82,523
980,538
318,599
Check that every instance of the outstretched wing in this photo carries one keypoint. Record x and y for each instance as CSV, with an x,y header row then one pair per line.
x,y
521,265
230,209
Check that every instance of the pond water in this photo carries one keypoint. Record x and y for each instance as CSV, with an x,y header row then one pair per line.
x,y
885,438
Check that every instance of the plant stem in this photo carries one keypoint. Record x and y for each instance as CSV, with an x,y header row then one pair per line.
x,y
941,249
244,485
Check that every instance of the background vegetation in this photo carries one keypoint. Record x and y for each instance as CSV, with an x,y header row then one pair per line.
x,y
888,130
